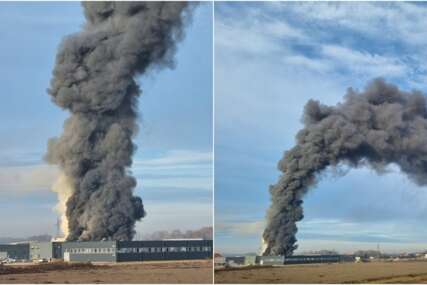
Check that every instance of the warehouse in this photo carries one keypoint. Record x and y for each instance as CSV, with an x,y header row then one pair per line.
x,y
118,251
110,251
164,250
83,251
275,260
45,250
298,259
301,259
17,251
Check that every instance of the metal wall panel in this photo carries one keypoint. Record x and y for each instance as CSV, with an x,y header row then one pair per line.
x,y
127,250
17,251
41,250
297,259
163,250
75,257
57,250
90,245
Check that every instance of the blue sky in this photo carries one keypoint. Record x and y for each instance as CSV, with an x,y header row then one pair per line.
x,y
270,58
173,163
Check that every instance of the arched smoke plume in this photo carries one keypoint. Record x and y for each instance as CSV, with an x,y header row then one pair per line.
x,y
376,127
94,79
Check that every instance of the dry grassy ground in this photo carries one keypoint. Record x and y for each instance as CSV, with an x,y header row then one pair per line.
x,y
372,272
195,271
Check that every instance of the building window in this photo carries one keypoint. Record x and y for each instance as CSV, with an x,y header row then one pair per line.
x,y
195,249
144,249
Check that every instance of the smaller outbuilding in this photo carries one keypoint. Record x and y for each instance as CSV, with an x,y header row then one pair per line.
x,y
235,261
219,260
16,251
46,250
3,255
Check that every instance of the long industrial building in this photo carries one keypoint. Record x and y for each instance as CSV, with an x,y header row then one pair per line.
x,y
282,260
109,251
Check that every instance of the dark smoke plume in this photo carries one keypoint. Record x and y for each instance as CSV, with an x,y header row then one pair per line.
x,y
94,79
376,127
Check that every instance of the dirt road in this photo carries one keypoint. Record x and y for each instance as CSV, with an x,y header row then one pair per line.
x,y
372,272
197,271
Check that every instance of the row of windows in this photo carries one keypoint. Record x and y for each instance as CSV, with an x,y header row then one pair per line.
x,y
90,250
310,259
139,250
165,249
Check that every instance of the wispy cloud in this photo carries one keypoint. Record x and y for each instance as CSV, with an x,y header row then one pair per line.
x,y
319,37
191,170
383,21
196,183
184,169
362,231
173,215
254,228
363,63
240,39
177,158
18,180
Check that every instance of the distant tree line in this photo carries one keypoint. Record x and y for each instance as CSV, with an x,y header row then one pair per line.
x,y
367,253
30,238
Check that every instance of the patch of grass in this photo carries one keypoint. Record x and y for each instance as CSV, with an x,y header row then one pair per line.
x,y
250,267
45,267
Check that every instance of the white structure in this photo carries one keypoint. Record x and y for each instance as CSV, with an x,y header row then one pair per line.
x,y
3,255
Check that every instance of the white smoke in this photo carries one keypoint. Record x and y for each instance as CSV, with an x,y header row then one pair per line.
x,y
62,186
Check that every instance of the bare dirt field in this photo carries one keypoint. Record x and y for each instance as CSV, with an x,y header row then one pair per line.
x,y
371,272
194,271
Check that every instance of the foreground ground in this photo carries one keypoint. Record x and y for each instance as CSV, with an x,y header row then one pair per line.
x,y
195,271
372,272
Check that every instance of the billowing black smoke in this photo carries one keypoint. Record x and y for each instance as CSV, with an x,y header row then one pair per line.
x,y
94,79
376,127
